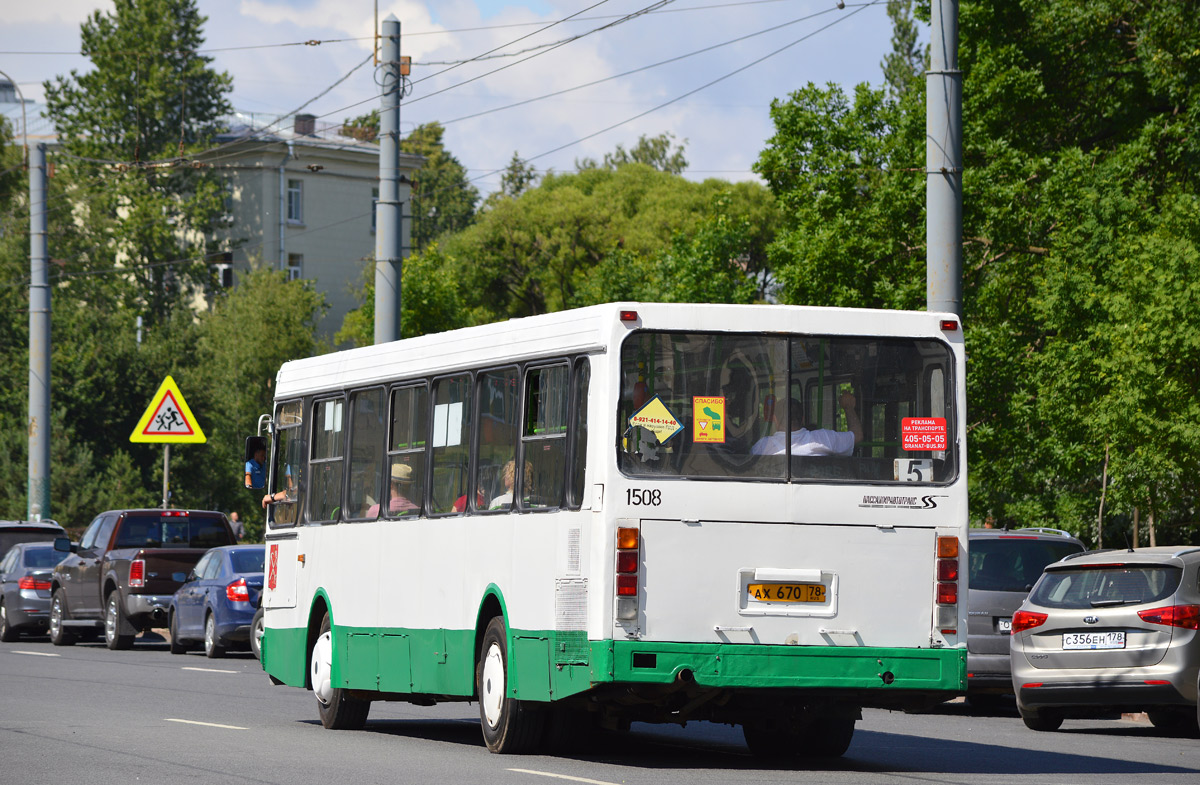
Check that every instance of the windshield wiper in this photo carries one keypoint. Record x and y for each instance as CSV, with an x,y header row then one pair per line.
x,y
1109,603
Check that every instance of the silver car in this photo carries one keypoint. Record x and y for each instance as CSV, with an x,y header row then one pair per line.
x,y
25,589
1111,631
1004,565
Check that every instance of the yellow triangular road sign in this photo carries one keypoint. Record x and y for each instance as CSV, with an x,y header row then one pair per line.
x,y
168,418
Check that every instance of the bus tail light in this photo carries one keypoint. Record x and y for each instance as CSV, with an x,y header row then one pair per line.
x,y
947,585
137,573
628,558
237,591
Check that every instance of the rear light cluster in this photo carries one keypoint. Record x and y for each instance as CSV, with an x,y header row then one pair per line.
x,y
173,514
628,557
1186,616
29,582
947,585
137,573
238,591
1027,620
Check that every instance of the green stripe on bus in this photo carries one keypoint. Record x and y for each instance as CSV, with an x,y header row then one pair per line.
x,y
442,662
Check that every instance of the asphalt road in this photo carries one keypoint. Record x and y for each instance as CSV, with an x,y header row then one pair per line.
x,y
84,714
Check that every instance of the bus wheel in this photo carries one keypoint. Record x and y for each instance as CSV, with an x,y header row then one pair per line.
x,y
828,737
509,726
338,710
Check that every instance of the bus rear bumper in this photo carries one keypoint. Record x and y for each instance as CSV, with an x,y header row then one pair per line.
x,y
725,665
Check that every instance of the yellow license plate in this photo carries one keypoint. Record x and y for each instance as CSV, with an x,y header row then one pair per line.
x,y
786,592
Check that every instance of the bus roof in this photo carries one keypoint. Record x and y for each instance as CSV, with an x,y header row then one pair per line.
x,y
592,329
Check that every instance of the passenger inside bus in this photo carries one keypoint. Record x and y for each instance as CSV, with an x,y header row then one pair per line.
x,y
399,503
505,500
818,441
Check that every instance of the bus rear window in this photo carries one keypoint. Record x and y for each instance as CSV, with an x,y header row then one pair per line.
x,y
801,408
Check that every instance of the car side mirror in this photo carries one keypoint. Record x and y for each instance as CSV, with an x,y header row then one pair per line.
x,y
191,576
64,545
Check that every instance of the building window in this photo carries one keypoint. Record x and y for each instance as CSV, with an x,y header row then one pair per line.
x,y
295,266
295,201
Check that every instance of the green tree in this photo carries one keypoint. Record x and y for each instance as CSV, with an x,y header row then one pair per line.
x,y
364,128
1080,237
518,177
127,130
657,152
443,199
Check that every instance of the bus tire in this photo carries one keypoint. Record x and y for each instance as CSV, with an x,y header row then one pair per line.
x,y
338,710
828,737
509,725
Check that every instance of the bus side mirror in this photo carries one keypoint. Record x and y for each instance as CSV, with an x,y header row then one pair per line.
x,y
255,475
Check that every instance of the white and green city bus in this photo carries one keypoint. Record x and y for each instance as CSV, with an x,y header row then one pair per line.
x,y
753,515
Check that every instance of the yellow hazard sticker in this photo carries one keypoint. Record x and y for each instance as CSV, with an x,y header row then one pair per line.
x,y
708,419
657,418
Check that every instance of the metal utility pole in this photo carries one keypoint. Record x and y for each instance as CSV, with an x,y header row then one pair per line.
x,y
943,163
39,341
389,240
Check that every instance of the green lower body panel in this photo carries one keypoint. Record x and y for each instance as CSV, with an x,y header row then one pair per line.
x,y
792,667
442,662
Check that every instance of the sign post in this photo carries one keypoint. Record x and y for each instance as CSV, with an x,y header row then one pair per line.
x,y
167,420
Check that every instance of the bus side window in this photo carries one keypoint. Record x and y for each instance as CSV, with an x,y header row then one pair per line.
x,y
495,461
451,448
544,441
329,438
579,432
406,452
367,437
286,475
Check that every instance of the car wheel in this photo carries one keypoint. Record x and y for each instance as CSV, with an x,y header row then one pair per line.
x,y
1175,720
509,725
58,614
1044,720
212,646
178,645
7,633
114,620
257,630
338,710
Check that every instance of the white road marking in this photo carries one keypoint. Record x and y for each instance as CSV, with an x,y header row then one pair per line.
x,y
206,724
563,777
35,653
208,670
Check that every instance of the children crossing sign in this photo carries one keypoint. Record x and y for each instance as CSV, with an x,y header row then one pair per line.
x,y
168,419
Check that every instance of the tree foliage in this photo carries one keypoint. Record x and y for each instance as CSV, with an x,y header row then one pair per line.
x,y
148,100
658,152
1081,234
443,199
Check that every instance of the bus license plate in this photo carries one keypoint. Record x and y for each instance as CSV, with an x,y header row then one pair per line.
x,y
1093,640
786,592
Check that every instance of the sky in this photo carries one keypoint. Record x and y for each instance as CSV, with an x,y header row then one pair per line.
x,y
715,103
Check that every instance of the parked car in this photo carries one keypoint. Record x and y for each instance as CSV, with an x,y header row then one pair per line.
x,y
25,589
1004,565
120,577
216,605
1111,631
14,532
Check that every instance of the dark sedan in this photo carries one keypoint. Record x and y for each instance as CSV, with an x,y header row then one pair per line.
x,y
217,603
25,588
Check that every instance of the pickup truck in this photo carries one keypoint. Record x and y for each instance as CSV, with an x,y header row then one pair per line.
x,y
121,576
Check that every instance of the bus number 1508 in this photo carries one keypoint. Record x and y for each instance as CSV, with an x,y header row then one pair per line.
x,y
642,498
